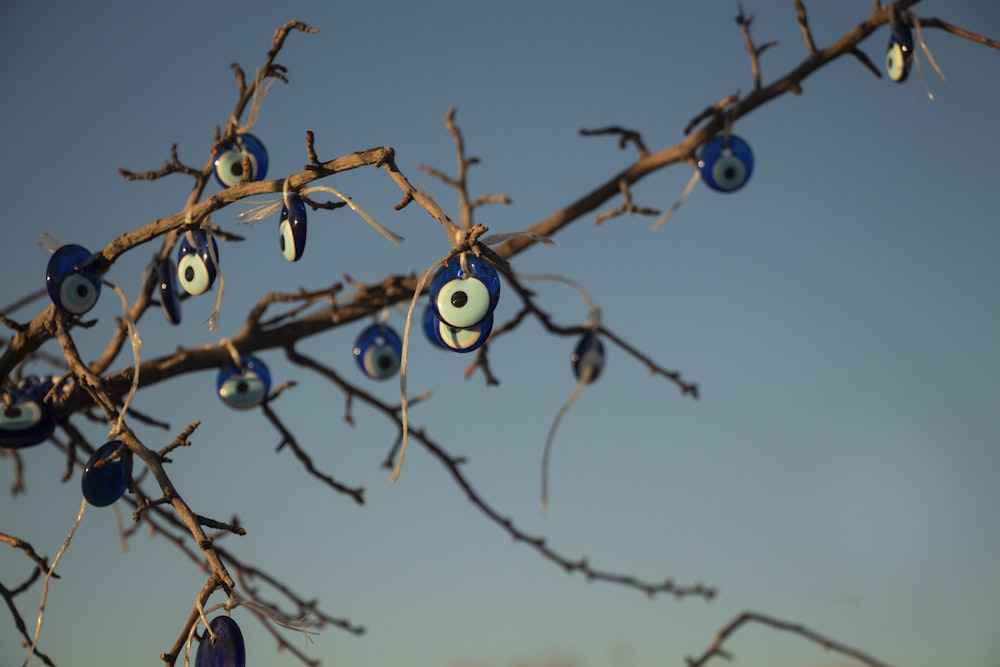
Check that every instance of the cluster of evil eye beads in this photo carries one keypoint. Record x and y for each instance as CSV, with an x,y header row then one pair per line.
x,y
462,297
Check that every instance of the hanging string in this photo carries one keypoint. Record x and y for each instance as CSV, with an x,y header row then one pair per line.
x,y
688,189
136,342
48,577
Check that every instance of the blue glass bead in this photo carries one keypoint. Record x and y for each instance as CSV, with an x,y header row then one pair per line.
x,y
195,268
378,351
457,339
170,300
105,476
292,228
246,386
588,358
229,161
899,55
73,288
29,419
225,648
464,300
726,168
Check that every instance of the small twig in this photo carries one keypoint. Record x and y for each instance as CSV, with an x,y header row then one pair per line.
x,y
744,22
961,32
715,649
800,15
624,137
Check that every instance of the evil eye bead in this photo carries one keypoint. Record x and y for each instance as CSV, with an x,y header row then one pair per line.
x,y
378,351
229,161
195,268
72,287
170,300
588,358
463,340
292,228
245,386
106,475
463,299
223,646
726,168
899,55
29,420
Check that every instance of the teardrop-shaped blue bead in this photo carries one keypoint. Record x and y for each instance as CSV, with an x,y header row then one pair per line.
x,y
105,475
225,649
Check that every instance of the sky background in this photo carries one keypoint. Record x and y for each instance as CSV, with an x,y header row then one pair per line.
x,y
841,315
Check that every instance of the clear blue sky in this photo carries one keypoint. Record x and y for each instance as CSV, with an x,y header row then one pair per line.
x,y
840,315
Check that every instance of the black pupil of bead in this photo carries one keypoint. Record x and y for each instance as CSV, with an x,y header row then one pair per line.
x,y
237,168
189,274
82,290
12,412
459,299
385,361
242,387
729,172
282,241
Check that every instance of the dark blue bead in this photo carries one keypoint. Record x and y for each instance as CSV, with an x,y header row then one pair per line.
x,y
195,268
588,358
292,228
378,351
225,649
899,55
726,167
170,300
29,420
73,288
464,300
246,386
105,476
229,161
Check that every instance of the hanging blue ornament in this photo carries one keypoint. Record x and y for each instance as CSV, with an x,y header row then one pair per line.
x,y
229,161
899,55
292,228
588,358
73,285
726,166
106,475
378,351
223,646
170,300
463,299
245,386
195,268
29,419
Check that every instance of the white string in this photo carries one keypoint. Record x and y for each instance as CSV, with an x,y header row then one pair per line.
x,y
213,319
396,239
48,576
584,379
133,334
680,200
402,370
923,45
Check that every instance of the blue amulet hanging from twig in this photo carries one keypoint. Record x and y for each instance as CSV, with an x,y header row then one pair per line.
x,y
726,163
72,283
464,297
229,161
292,228
195,264
378,351
29,419
899,55
223,646
245,386
106,475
